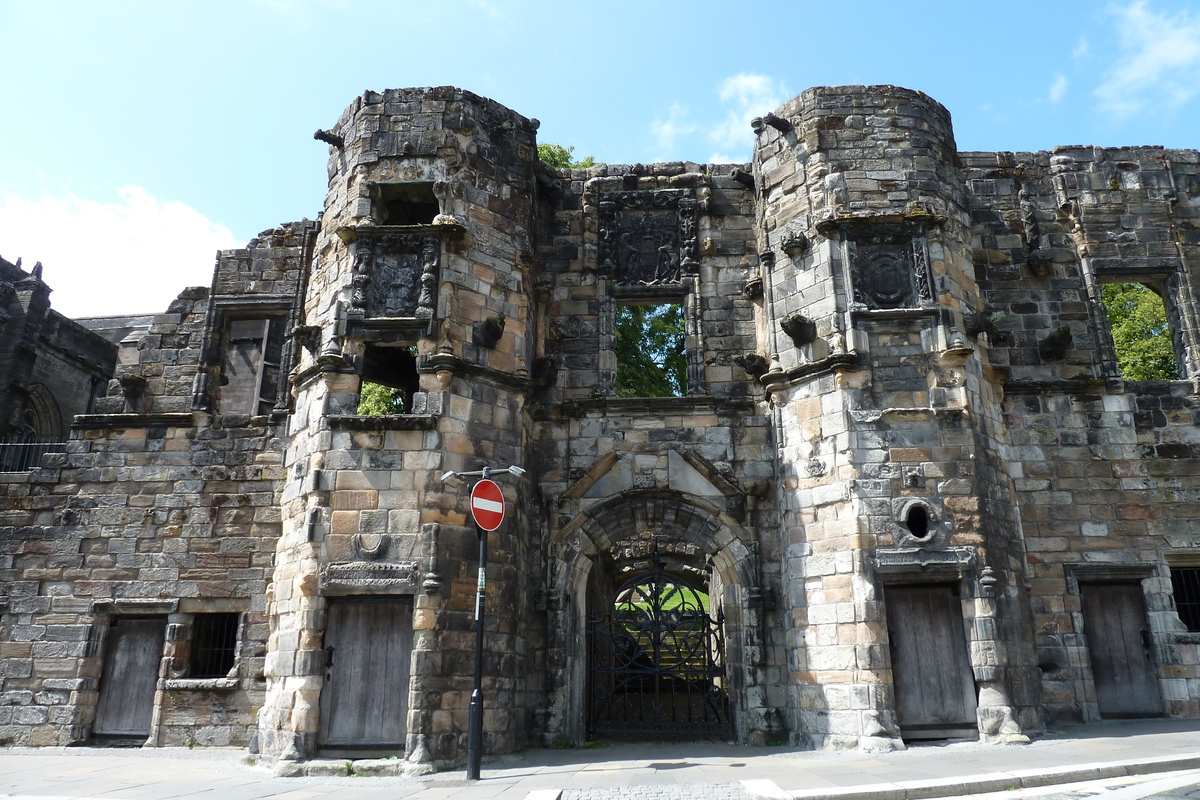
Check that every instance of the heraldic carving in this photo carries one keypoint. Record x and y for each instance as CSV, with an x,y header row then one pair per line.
x,y
395,274
648,237
890,271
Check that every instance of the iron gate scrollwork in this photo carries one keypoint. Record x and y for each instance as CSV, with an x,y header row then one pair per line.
x,y
658,662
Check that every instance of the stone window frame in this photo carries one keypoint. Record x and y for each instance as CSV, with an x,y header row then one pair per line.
x,y
1172,289
181,633
686,294
225,309
1183,561
235,648
611,291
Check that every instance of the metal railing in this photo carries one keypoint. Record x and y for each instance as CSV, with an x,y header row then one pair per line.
x,y
23,452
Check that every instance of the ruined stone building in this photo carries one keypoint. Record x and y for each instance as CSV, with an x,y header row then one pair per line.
x,y
899,490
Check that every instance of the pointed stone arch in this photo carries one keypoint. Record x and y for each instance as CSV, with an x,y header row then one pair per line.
x,y
42,413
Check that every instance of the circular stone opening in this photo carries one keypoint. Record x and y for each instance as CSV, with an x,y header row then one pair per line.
x,y
918,522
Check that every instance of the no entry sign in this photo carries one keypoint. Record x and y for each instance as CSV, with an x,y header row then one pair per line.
x,y
487,505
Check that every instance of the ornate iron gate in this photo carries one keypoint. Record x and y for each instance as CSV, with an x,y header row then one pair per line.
x,y
658,662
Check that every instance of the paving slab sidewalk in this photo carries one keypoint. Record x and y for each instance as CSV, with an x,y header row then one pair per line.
x,y
692,771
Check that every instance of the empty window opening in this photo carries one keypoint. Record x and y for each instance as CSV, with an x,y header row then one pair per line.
x,y
1185,583
1141,332
250,376
651,359
917,522
389,380
214,645
407,203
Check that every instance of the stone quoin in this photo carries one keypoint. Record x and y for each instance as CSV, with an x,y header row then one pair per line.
x,y
891,485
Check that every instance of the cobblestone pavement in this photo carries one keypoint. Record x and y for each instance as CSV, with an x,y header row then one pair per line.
x,y
714,791
1125,761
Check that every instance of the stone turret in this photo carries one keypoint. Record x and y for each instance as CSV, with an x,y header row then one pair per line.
x,y
420,282
867,276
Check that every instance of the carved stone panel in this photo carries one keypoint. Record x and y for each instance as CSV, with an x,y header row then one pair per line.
x,y
370,577
648,237
395,274
890,270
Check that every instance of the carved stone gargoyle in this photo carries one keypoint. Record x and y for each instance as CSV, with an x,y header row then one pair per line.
x,y
308,337
1054,347
488,332
329,137
800,329
133,390
985,321
545,372
754,364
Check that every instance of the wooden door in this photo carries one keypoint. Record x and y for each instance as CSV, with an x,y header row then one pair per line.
x,y
931,670
368,652
133,653
1118,637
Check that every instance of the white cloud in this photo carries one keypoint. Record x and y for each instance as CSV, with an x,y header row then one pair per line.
x,y
1158,65
131,255
745,96
1058,89
1083,49
667,131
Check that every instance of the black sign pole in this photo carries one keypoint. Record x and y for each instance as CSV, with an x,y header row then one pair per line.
x,y
475,709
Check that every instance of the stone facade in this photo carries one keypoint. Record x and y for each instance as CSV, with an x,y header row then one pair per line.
x,y
50,367
901,430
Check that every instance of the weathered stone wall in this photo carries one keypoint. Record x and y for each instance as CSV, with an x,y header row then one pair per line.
x,y
1102,466
898,376
135,520
711,447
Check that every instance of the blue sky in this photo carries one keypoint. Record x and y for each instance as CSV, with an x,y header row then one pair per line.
x,y
140,137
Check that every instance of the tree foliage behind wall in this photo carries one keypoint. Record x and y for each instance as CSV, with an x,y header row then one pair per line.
x,y
651,361
375,399
1141,332
561,157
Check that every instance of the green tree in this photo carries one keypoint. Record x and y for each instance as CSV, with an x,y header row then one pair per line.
x,y
651,361
375,399
561,157
1141,333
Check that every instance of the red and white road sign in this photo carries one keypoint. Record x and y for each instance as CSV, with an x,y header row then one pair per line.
x,y
487,505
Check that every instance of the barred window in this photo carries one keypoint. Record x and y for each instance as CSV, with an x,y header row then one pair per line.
x,y
214,644
1185,583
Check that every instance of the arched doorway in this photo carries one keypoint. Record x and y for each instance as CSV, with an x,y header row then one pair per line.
x,y
658,594
656,654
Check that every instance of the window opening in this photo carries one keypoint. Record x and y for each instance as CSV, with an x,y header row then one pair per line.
x,y
1185,583
917,522
408,203
214,645
250,377
389,380
650,353
1141,332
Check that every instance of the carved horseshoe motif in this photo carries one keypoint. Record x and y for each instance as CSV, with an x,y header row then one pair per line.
x,y
366,550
